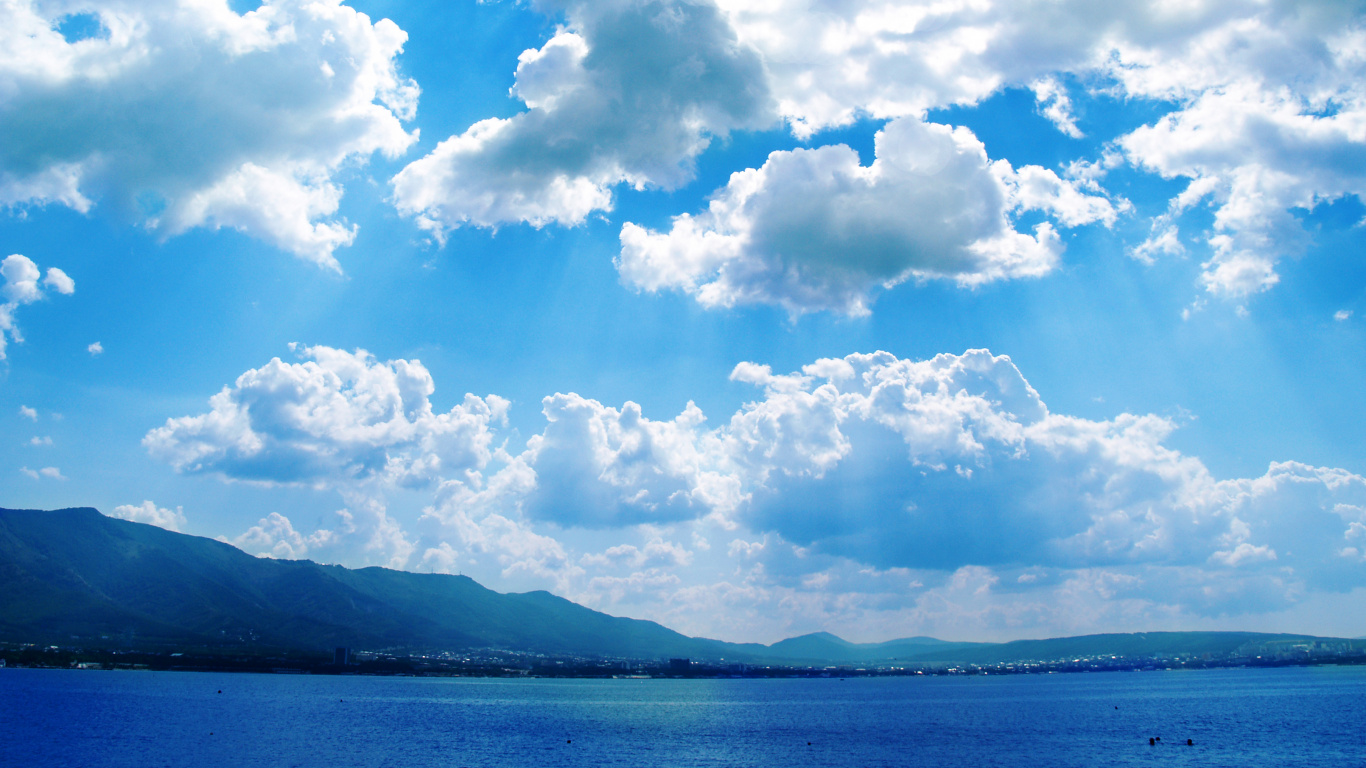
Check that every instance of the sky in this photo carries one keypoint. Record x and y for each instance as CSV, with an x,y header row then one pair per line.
x,y
976,319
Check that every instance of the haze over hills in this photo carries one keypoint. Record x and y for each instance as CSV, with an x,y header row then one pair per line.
x,y
74,575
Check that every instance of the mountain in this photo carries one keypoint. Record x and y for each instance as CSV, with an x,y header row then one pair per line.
x,y
1137,645
74,574
823,647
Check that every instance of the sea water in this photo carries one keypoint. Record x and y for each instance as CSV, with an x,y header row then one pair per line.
x,y
1235,717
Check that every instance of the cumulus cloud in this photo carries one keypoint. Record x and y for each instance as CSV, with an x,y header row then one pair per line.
x,y
21,280
58,281
814,229
1267,97
625,92
95,349
29,413
337,418
486,523
183,113
22,287
150,513
938,493
956,462
274,536
597,466
831,63
1255,156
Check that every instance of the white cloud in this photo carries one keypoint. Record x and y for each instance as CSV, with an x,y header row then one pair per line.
x,y
657,553
334,420
45,440
182,113
946,464
486,525
814,229
366,520
21,287
274,536
21,280
50,473
1268,97
867,490
1271,107
28,413
150,513
626,92
1055,104
95,349
1165,240
59,281
832,62
1342,315
339,420
597,466
862,461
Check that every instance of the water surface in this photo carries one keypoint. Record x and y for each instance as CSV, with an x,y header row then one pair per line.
x,y
1242,717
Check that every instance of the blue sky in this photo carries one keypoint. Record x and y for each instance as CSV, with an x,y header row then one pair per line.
x,y
878,318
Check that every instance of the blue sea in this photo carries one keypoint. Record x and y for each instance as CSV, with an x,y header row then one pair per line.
x,y
1236,717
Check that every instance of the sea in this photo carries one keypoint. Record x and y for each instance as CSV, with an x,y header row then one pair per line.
x,y
1305,716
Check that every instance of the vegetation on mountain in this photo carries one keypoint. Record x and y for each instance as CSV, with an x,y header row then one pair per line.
x,y
76,576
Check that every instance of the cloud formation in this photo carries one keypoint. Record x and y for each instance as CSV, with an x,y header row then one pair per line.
x,y
600,467
814,230
150,513
338,417
1268,96
274,536
183,113
941,491
956,463
1266,103
625,92
23,286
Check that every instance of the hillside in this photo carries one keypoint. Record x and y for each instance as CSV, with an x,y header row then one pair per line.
x,y
75,573
75,576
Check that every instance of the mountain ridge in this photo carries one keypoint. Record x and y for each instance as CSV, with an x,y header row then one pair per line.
x,y
78,573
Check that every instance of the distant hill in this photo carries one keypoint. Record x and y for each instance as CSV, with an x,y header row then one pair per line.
x,y
1138,645
74,575
824,647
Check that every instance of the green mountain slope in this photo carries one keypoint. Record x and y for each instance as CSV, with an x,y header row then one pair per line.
x,y
74,575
